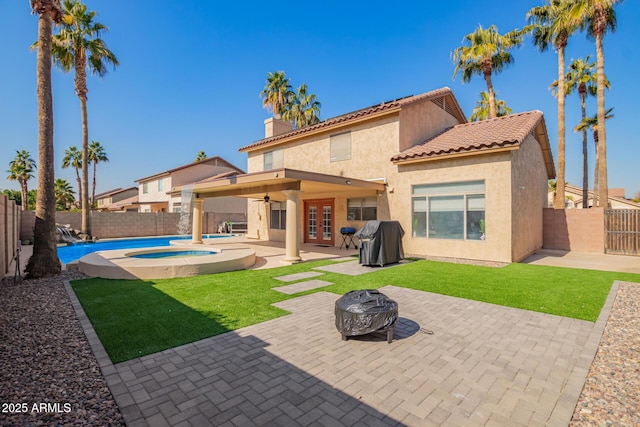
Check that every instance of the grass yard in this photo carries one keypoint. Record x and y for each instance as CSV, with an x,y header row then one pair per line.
x,y
135,317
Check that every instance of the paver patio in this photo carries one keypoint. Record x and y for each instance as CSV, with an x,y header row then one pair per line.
x,y
452,362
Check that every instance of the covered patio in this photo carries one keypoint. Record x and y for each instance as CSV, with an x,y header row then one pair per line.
x,y
281,185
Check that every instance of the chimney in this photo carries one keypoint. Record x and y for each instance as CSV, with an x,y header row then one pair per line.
x,y
275,127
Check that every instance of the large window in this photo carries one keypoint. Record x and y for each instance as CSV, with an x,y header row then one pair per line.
x,y
449,211
278,215
340,147
274,159
362,209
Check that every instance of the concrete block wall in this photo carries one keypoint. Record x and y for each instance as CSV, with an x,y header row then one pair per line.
x,y
9,236
129,224
580,230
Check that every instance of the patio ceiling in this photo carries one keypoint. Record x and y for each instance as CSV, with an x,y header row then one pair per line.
x,y
256,185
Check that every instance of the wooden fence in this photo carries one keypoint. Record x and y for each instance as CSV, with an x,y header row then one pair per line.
x,y
622,231
9,230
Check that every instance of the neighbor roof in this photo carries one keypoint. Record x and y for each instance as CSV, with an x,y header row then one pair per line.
x,y
214,159
450,106
486,135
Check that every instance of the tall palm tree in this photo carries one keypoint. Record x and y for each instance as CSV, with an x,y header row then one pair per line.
x,y
592,123
481,110
64,194
598,17
277,93
200,156
581,78
304,109
73,157
485,53
44,261
21,170
78,46
552,25
96,155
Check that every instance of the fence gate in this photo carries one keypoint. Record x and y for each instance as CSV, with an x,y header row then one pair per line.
x,y
622,228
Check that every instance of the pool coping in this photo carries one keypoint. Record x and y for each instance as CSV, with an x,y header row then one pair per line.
x,y
118,264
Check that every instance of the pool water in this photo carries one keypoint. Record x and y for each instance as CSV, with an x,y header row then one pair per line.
x,y
173,254
71,253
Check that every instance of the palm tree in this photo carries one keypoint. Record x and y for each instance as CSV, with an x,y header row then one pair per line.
x,y
277,94
21,170
73,157
598,17
78,46
304,109
552,25
481,111
96,155
200,156
484,53
44,261
592,123
581,77
64,194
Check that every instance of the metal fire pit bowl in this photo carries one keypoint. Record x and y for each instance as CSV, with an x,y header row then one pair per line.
x,y
365,311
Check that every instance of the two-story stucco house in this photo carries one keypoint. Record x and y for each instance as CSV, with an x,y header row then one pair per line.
x,y
118,200
459,189
161,192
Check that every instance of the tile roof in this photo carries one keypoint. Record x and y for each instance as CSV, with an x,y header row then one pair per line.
x,y
489,134
384,106
214,159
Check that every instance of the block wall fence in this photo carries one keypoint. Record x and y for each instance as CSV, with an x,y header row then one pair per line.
x,y
579,230
9,234
129,224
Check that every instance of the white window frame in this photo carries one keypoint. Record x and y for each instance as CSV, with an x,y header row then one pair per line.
x,y
340,147
359,204
424,195
273,159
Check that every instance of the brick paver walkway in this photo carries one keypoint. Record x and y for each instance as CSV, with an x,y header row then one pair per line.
x,y
452,362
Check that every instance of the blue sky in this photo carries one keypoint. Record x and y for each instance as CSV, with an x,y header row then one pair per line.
x,y
191,72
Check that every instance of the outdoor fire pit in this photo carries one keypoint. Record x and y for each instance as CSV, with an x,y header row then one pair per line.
x,y
365,311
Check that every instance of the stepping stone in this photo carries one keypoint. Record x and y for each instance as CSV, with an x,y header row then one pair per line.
x,y
298,276
302,286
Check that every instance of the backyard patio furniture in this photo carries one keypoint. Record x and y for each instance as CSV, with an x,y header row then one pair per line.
x,y
365,311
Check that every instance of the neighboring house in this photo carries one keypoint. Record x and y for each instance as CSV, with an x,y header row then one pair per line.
x,y
573,198
465,190
118,200
162,192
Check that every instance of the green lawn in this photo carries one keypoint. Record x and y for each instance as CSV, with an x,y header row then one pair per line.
x,y
135,317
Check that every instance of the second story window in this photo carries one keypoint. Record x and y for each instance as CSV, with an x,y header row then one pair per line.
x,y
274,159
160,184
340,147
145,188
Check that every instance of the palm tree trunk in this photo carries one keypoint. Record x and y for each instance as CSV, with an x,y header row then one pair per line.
x,y
25,195
44,261
81,91
596,183
559,201
493,111
79,181
603,186
585,162
93,189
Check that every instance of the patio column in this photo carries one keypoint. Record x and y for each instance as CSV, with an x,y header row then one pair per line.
x,y
292,246
196,234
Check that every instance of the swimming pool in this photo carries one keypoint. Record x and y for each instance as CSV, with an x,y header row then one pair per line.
x,y
71,253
